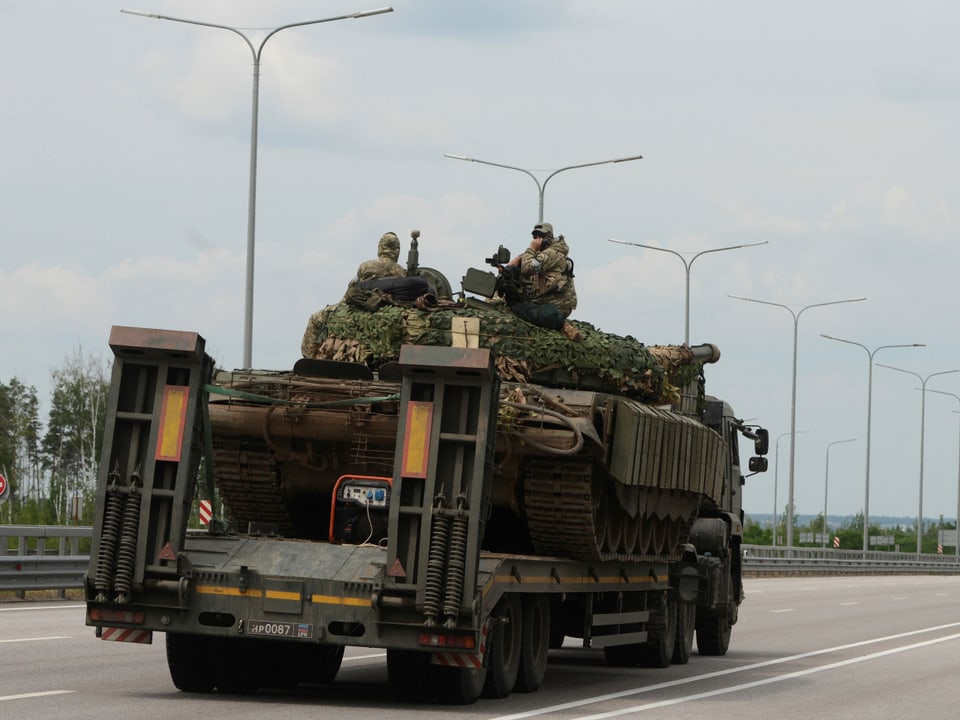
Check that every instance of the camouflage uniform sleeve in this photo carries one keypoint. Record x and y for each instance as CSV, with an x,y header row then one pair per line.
x,y
530,262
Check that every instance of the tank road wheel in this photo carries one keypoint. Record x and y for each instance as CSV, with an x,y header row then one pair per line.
x,y
457,686
686,625
409,674
674,530
658,652
189,663
615,521
631,534
503,655
659,535
713,634
646,535
600,509
535,646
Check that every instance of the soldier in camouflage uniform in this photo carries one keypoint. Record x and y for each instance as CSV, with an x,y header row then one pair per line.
x,y
545,265
386,265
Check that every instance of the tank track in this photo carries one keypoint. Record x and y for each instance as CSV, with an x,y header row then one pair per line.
x,y
570,514
248,479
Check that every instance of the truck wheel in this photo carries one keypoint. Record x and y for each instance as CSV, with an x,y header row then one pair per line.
x,y
713,635
457,686
409,674
686,625
535,645
658,652
189,663
503,655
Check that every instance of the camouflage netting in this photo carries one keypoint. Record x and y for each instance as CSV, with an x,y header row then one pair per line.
x,y
523,352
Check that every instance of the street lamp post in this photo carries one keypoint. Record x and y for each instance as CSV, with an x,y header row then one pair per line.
x,y
252,193
793,394
776,473
542,186
866,490
687,264
957,544
826,484
923,413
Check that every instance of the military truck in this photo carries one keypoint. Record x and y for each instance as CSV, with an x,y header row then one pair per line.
x,y
435,478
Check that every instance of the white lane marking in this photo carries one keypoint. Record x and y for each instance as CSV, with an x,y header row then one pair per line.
x,y
365,657
41,607
36,694
48,637
767,681
720,673
855,602
784,610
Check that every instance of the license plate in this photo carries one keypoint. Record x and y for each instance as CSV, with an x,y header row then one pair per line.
x,y
272,628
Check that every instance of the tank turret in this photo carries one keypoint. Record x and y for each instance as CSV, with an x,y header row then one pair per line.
x,y
600,452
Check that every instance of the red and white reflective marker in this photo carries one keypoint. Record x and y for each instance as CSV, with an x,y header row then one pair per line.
x,y
206,512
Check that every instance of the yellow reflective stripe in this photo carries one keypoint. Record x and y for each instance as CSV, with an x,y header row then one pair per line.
x,y
337,600
237,592
220,590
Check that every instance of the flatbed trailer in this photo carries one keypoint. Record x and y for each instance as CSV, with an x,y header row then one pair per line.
x,y
246,608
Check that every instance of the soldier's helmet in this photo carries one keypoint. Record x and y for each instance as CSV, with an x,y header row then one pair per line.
x,y
545,228
389,246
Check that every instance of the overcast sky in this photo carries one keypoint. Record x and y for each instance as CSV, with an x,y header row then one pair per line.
x,y
827,130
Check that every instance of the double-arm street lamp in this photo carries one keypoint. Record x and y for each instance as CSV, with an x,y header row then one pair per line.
x,y
866,490
687,264
923,414
957,544
826,485
542,186
793,395
252,195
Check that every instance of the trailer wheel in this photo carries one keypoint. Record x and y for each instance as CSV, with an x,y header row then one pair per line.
x,y
235,663
457,686
658,652
713,635
409,674
503,655
535,645
686,625
326,661
189,663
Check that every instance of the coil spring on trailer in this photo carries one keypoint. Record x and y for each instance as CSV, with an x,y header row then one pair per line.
x,y
106,554
458,566
436,562
127,551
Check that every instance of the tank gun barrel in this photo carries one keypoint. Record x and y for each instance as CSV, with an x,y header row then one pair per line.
x,y
705,352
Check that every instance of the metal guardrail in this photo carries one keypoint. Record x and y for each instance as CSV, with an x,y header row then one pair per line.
x,y
767,560
26,563
31,565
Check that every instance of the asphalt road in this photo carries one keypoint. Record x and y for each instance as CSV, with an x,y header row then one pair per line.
x,y
833,647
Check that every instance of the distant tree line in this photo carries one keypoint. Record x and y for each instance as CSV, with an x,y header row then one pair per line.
x,y
850,533
51,466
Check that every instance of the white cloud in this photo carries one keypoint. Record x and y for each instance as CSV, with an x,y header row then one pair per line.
x,y
126,150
